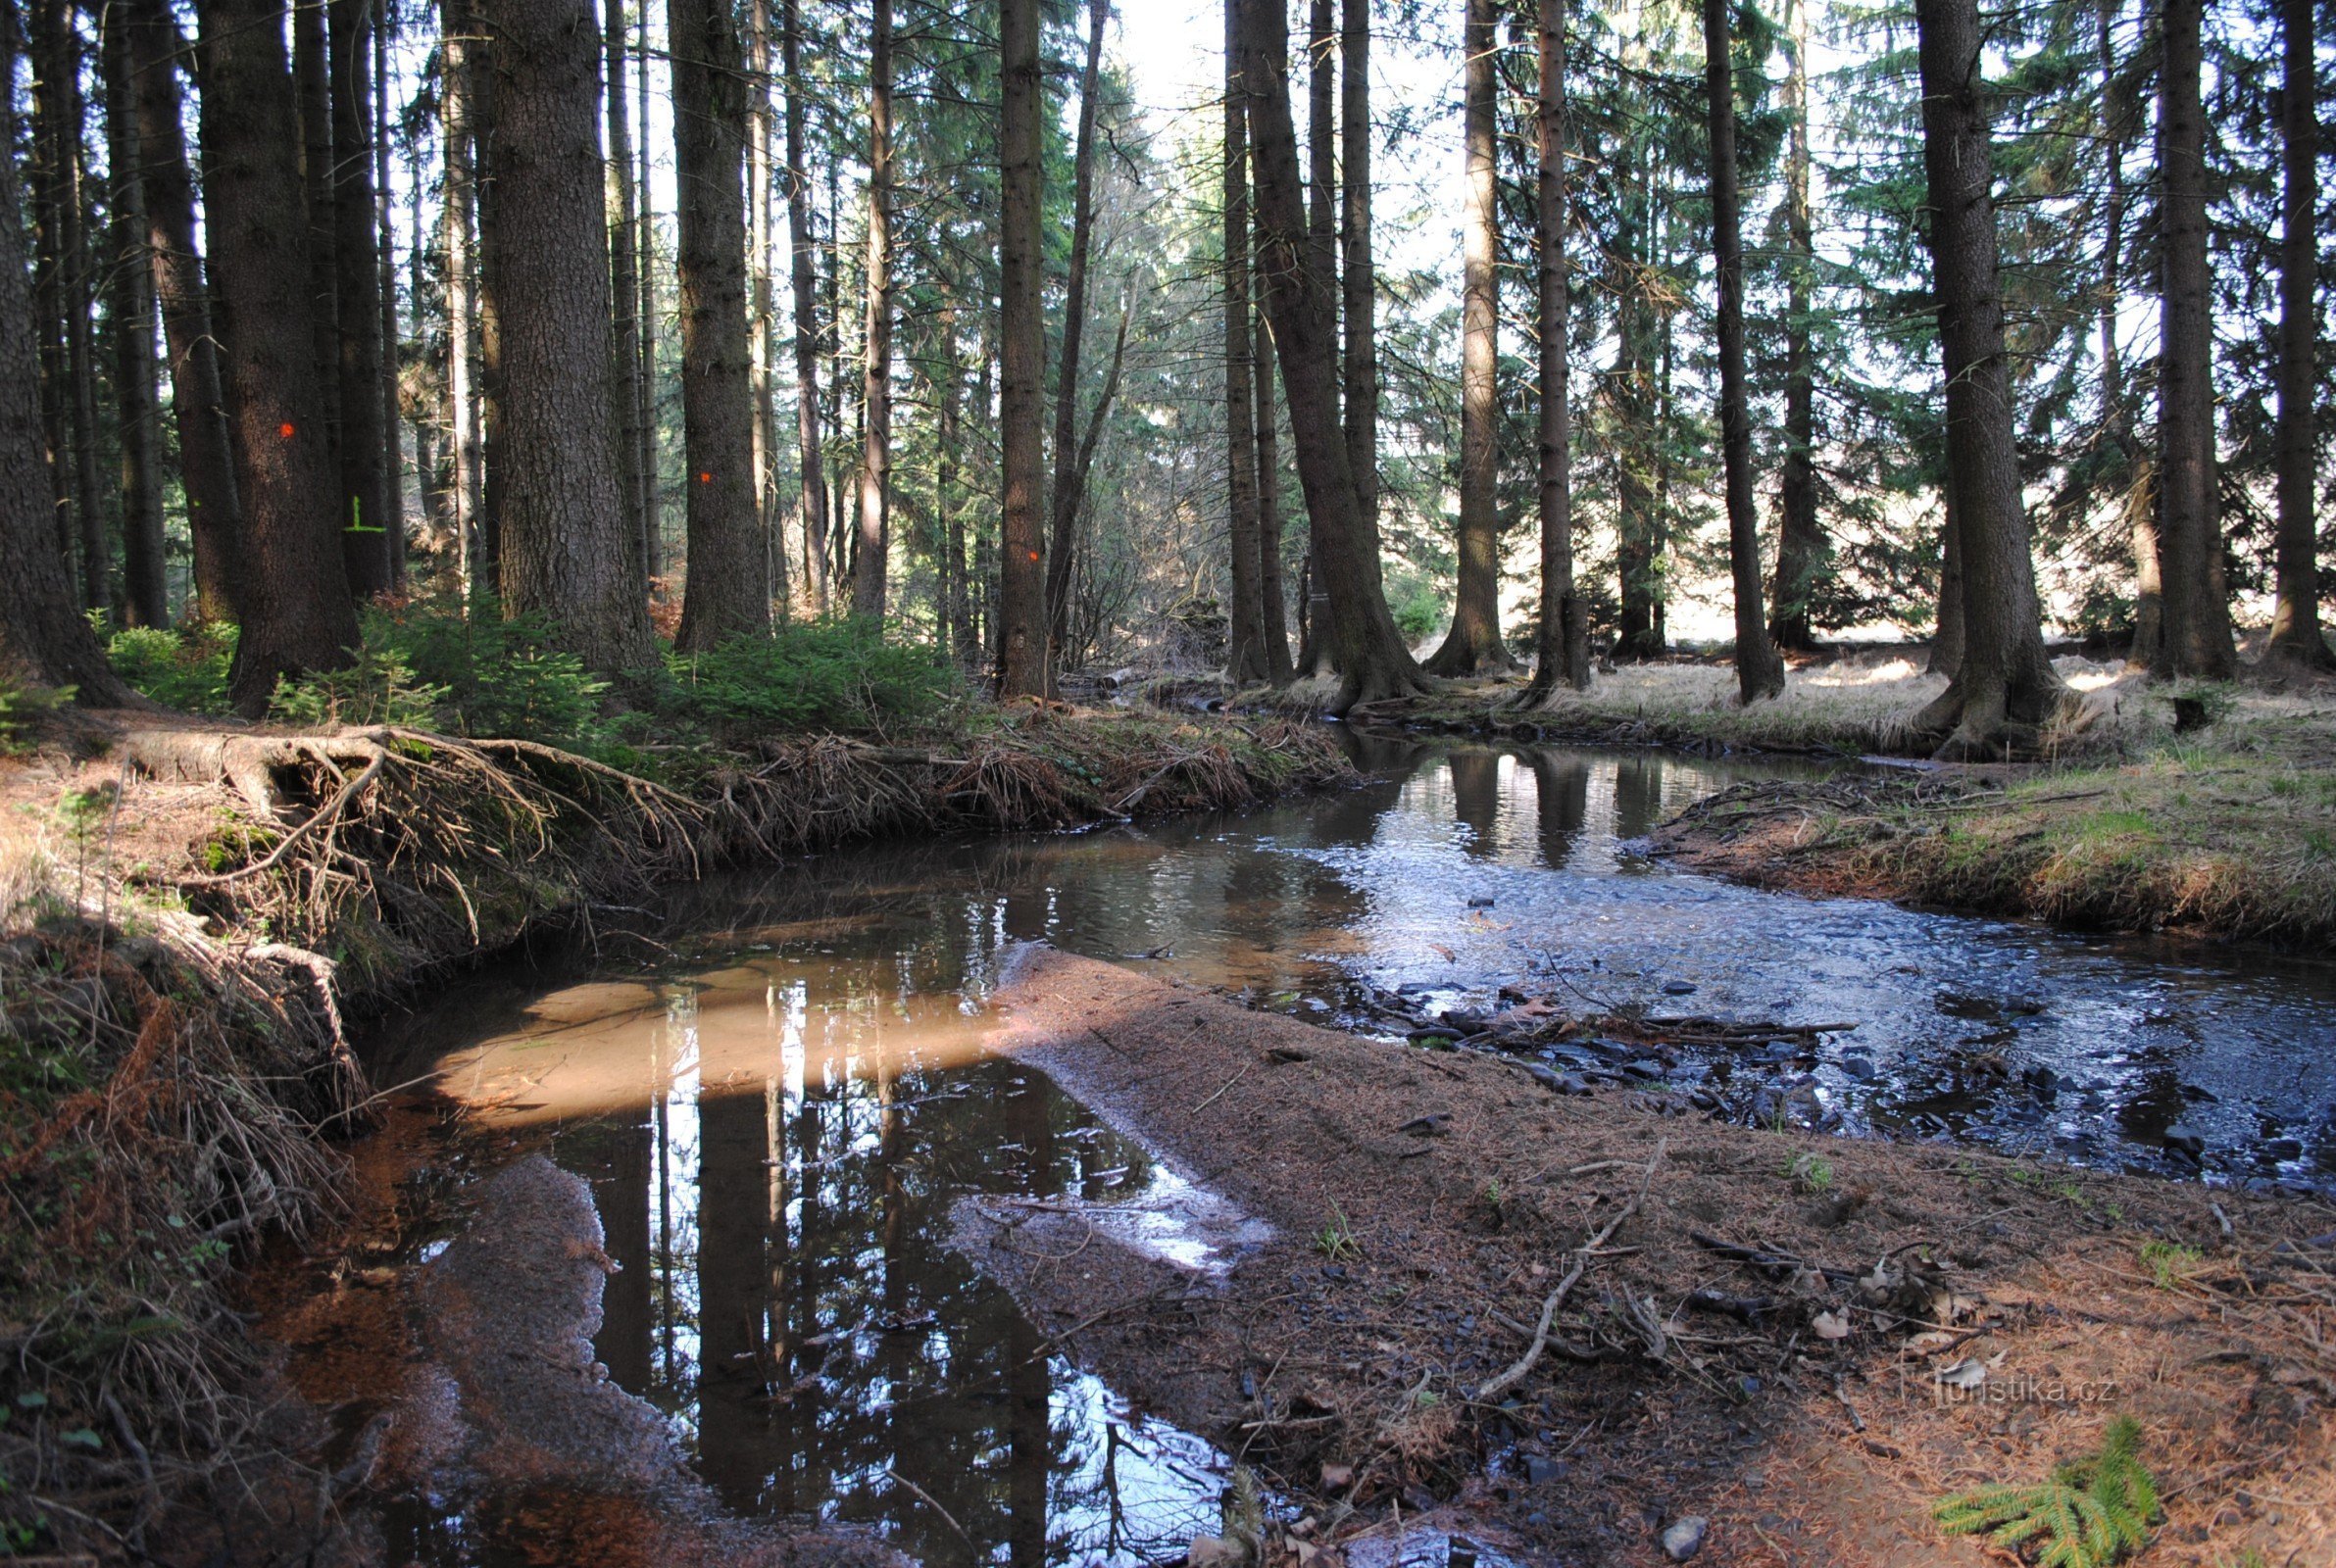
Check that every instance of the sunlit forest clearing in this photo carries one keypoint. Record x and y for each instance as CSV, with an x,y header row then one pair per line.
x,y
1216,784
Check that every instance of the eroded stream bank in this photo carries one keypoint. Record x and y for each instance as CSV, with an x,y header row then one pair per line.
x,y
782,1106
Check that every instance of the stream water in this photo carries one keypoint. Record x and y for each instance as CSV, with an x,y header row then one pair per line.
x,y
781,1098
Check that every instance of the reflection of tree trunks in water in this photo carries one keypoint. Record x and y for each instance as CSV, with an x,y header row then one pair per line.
x,y
1476,800
623,1194
1026,913
803,1411
662,1135
731,1208
1029,1434
779,1291
1638,796
1562,801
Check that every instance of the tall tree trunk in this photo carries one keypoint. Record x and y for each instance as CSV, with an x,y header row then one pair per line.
x,y
1474,646
1563,642
2198,637
2005,687
624,288
1358,276
2117,128
145,587
486,126
875,396
385,287
312,98
198,405
1062,505
57,97
564,554
645,257
427,409
1022,346
365,516
763,339
1265,422
293,604
1801,545
460,68
812,497
2295,635
950,393
1274,629
1760,673
43,639
729,582
50,168
1946,644
1248,459
1301,307
1321,134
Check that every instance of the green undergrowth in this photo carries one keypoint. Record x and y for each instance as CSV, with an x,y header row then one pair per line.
x,y
2089,1513
428,664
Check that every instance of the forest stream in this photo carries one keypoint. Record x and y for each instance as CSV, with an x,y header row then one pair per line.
x,y
779,1096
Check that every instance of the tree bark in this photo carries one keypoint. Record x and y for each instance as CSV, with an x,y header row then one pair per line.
x,y
625,286
57,98
1801,544
2005,687
564,554
1300,303
2198,638
364,516
1021,344
198,404
2297,639
1248,459
312,95
386,290
729,582
1946,642
293,604
875,396
145,587
762,336
1064,504
2116,130
1760,673
645,258
460,68
43,639
812,495
1474,646
1272,618
1358,276
1563,642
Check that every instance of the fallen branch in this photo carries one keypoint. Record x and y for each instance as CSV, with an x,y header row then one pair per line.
x,y
1494,1387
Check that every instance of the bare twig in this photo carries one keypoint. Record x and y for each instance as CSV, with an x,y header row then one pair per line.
x,y
1494,1387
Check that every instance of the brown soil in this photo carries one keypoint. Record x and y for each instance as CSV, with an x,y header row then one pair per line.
x,y
1464,1186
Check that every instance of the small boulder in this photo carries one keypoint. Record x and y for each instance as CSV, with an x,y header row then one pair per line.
x,y
1682,1541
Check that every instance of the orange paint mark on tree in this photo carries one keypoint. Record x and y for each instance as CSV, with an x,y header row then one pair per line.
x,y
286,431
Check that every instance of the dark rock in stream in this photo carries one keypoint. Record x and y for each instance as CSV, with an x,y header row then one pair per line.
x,y
2185,1141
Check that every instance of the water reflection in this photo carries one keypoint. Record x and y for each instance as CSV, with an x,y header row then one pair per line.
x,y
779,1118
779,1212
